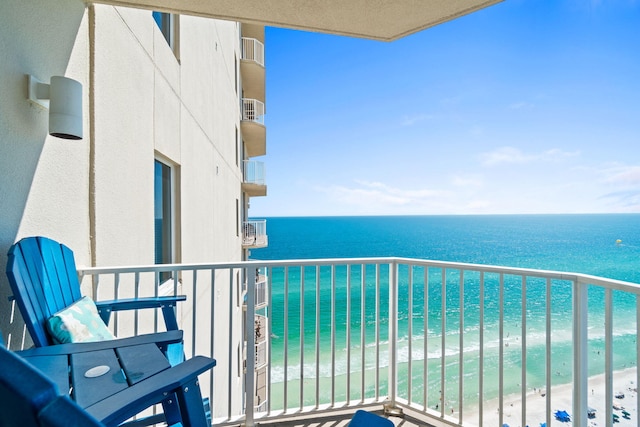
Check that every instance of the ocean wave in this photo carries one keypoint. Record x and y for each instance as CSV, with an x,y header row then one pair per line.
x,y
346,361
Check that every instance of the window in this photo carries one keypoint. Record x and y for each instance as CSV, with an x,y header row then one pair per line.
x,y
168,24
237,217
238,289
237,149
235,70
163,216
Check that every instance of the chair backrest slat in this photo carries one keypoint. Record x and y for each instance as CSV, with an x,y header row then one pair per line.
x,y
43,278
64,287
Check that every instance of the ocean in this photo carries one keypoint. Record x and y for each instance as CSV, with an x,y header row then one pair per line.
x,y
606,245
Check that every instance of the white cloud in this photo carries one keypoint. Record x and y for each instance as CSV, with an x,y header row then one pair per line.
x,y
624,181
412,120
505,155
624,175
555,154
376,197
473,181
478,205
521,106
625,201
517,156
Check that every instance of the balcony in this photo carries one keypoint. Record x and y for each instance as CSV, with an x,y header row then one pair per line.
x,y
254,183
252,68
254,234
261,287
254,132
262,332
262,296
351,333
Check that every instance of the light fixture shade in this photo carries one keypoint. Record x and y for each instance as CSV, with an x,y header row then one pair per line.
x,y
65,108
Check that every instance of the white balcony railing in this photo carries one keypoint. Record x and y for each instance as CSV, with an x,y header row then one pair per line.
x,y
253,110
261,292
254,233
254,172
412,334
261,354
253,50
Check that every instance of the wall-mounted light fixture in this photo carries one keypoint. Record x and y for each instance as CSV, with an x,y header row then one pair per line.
x,y
63,98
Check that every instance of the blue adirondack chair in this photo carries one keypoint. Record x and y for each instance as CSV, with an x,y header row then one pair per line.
x,y
28,398
43,278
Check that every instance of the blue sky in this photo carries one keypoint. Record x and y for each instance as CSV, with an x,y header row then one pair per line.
x,y
528,106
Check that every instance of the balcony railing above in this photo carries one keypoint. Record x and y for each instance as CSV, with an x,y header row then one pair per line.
x,y
254,234
252,68
410,334
254,172
253,50
253,110
254,183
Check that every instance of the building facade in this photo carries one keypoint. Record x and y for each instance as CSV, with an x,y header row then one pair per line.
x,y
162,173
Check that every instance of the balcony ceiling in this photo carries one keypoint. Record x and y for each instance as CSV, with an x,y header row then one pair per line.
x,y
372,19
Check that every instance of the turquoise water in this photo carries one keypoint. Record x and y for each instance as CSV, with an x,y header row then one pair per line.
x,y
601,245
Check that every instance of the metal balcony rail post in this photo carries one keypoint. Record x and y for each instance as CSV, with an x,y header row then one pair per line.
x,y
250,333
608,352
580,353
393,332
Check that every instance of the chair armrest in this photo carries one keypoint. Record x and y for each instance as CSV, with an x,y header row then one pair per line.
x,y
166,303
162,339
63,412
123,405
143,302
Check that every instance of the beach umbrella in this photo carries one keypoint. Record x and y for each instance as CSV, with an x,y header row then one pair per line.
x,y
562,416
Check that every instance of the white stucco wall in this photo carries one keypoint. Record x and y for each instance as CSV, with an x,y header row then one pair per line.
x,y
43,180
150,104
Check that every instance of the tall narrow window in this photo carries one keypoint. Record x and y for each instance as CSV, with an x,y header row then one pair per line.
x,y
237,218
237,149
163,216
235,70
168,24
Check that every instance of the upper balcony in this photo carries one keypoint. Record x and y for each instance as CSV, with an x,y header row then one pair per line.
x,y
254,183
345,334
254,133
252,68
254,234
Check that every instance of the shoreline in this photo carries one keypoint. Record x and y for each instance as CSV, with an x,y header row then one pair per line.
x,y
561,399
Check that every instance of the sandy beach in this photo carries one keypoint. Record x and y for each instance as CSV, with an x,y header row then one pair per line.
x,y
623,381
